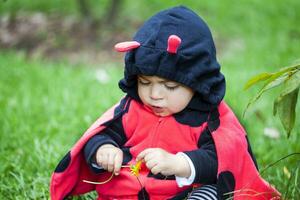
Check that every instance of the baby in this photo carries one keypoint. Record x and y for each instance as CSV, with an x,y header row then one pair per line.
x,y
171,136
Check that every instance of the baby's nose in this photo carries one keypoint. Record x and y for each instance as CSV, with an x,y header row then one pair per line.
x,y
156,93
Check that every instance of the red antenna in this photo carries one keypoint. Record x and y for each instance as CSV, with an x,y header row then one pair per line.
x,y
127,46
173,43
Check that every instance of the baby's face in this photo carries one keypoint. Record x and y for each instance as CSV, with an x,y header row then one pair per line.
x,y
163,96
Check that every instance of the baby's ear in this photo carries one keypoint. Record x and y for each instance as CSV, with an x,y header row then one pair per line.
x,y
126,46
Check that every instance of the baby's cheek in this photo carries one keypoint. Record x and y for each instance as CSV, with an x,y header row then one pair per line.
x,y
180,104
175,108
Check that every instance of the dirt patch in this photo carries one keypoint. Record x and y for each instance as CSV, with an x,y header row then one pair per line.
x,y
57,37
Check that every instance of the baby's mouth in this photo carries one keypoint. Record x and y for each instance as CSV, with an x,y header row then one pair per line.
x,y
157,109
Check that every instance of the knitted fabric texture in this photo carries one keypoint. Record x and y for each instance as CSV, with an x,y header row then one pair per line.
x,y
194,65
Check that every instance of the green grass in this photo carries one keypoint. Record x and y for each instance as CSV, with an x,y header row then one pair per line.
x,y
45,106
44,109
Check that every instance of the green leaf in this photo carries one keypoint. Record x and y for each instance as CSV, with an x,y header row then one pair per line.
x,y
292,83
274,80
296,66
285,106
256,79
275,106
270,84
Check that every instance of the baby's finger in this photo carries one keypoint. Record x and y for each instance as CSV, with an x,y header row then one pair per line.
x,y
150,164
143,154
150,156
156,169
99,160
104,161
118,163
110,162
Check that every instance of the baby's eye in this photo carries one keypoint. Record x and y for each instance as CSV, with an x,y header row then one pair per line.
x,y
171,87
143,82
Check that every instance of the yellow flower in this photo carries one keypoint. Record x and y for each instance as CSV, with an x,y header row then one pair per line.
x,y
135,169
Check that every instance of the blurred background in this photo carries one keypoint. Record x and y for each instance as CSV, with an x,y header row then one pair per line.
x,y
59,72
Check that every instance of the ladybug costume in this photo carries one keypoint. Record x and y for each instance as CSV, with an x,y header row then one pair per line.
x,y
175,44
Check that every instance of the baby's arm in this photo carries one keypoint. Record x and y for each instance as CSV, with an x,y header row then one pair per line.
x,y
102,151
205,160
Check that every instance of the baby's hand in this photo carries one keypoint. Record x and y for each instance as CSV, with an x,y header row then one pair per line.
x,y
161,161
110,158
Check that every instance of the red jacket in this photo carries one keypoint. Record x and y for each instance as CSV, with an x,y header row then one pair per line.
x,y
236,170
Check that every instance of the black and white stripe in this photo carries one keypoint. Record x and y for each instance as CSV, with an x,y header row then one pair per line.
x,y
206,192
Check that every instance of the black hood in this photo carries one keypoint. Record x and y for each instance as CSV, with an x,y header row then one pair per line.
x,y
194,65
